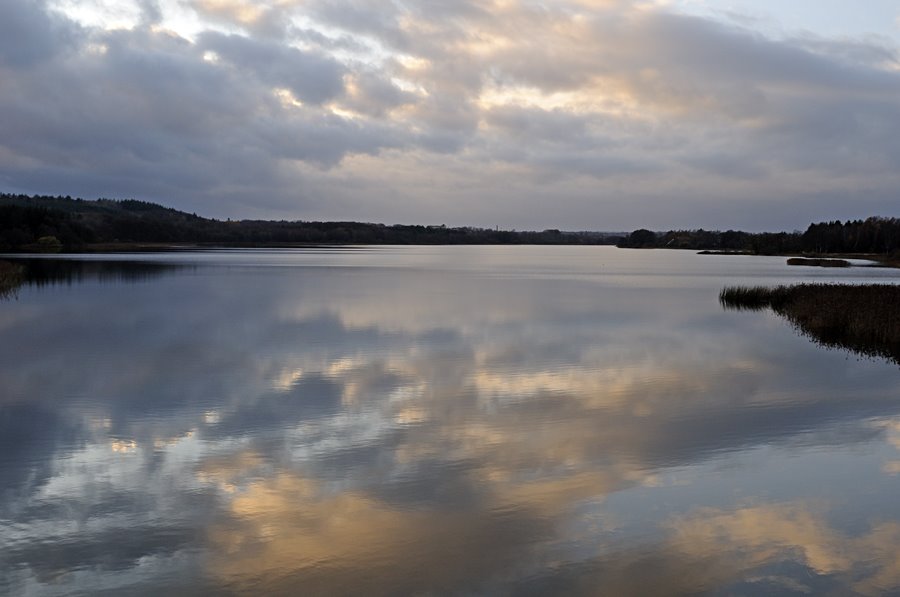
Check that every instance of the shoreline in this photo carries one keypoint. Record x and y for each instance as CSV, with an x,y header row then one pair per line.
x,y
878,260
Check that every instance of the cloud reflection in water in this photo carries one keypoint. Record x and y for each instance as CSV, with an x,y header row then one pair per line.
x,y
401,430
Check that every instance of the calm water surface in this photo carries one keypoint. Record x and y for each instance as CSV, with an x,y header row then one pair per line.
x,y
437,420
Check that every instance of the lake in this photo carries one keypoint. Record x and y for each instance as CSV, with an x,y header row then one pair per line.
x,y
505,420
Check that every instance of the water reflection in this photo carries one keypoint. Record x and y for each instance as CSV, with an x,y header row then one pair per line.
x,y
11,278
401,430
49,271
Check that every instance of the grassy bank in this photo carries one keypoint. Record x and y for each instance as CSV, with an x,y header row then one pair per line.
x,y
861,318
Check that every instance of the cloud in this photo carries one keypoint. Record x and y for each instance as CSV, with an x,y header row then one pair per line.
x,y
312,78
373,95
625,114
30,34
135,102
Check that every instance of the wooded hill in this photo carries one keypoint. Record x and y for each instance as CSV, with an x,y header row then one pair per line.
x,y
44,222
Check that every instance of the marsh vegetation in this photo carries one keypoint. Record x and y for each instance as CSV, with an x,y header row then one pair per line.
x,y
860,318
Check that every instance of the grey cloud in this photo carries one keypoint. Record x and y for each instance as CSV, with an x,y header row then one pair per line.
x,y
663,105
692,64
30,34
558,144
836,136
726,164
438,9
148,116
324,42
322,140
374,95
866,52
312,78
379,20
146,93
256,18
151,13
596,166
538,125
442,142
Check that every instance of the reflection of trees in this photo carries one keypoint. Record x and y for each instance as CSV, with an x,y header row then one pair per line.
x,y
46,272
859,318
11,277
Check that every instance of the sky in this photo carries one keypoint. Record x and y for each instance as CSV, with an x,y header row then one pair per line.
x,y
525,114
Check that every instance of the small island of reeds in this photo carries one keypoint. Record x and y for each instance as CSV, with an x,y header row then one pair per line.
x,y
817,262
861,318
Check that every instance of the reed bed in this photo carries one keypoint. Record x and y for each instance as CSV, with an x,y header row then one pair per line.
x,y
863,318
752,298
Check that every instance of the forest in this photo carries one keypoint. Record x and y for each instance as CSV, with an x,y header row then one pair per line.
x,y
52,223
874,235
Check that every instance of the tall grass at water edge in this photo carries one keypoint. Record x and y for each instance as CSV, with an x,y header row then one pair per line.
x,y
863,318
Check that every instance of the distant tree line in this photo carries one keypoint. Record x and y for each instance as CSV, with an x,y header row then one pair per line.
x,y
35,222
51,222
872,235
